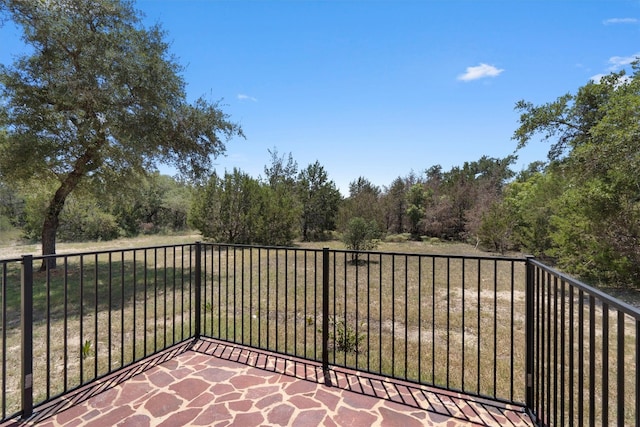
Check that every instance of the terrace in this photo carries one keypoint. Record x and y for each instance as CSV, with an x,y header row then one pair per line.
x,y
201,333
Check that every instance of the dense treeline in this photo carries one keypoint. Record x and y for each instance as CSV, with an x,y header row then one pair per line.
x,y
284,205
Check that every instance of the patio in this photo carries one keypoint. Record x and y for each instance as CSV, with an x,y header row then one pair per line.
x,y
209,382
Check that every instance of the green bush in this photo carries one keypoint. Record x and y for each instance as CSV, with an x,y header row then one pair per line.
x,y
346,338
398,238
83,220
360,235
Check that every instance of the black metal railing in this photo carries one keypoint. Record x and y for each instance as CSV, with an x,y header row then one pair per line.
x,y
508,329
97,312
583,348
433,320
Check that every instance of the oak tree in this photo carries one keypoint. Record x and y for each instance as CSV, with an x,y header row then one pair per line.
x,y
97,98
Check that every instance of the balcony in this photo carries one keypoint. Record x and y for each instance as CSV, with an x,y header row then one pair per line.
x,y
205,332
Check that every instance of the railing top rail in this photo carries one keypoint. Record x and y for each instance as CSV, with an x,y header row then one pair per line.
x,y
351,251
100,252
428,255
611,301
249,246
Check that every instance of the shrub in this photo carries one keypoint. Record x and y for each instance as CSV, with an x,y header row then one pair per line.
x,y
346,338
360,235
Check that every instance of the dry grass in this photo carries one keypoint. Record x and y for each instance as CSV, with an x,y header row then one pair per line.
x,y
427,319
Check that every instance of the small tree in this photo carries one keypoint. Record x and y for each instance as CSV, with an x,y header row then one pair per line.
x,y
320,200
360,235
416,198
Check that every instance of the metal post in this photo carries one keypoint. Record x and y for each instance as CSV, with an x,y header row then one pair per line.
x,y
529,331
198,286
325,316
27,335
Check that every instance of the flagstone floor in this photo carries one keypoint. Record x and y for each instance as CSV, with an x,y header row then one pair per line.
x,y
210,383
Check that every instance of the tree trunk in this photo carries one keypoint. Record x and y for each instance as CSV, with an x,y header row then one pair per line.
x,y
50,226
49,230
52,216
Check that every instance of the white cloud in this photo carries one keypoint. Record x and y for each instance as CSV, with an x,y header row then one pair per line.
x,y
618,62
243,97
479,72
620,21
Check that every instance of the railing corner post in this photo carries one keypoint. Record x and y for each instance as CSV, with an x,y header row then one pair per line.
x,y
325,316
529,333
198,290
26,317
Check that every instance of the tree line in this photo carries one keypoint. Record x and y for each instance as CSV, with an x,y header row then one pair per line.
x,y
97,103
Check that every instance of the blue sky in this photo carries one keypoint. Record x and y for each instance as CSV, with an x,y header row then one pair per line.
x,y
382,88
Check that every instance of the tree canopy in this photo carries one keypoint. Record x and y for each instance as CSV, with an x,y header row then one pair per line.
x,y
593,220
98,99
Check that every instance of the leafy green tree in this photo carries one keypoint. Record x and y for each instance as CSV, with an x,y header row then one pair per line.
x,y
152,204
416,199
595,230
98,98
229,209
394,202
281,171
364,201
84,219
12,204
532,201
320,201
175,205
360,235
282,208
280,215
496,229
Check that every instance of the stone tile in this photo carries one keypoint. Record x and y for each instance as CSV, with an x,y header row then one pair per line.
x,y
70,414
281,414
181,418
215,375
189,388
260,392
212,414
180,373
138,420
303,402
229,397
130,392
269,401
249,419
330,400
301,387
160,378
358,401
162,404
311,417
221,389
244,405
202,401
246,381
355,417
104,399
392,418
112,418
